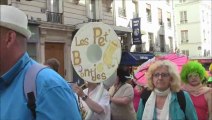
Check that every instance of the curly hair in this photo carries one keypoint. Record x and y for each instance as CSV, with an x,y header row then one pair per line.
x,y
192,67
172,69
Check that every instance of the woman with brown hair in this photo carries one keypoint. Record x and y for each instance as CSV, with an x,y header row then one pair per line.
x,y
122,97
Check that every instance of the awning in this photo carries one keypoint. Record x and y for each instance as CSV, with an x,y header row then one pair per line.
x,y
120,30
135,58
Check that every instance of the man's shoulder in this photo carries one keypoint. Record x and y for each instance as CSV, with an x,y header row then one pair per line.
x,y
47,79
48,75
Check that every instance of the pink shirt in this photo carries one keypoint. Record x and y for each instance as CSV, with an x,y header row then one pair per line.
x,y
201,106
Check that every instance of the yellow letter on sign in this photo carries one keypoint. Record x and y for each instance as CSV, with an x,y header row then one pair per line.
x,y
77,59
97,33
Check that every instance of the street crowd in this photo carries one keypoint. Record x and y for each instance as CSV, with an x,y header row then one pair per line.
x,y
168,95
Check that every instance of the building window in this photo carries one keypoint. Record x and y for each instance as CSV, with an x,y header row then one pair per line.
x,y
160,20
184,36
135,11
208,18
205,52
171,44
168,2
3,2
204,35
122,9
53,11
183,17
185,52
182,1
53,6
148,12
169,19
92,9
92,6
162,43
151,41
203,17
208,53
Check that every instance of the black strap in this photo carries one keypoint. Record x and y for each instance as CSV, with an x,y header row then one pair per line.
x,y
31,103
181,100
180,97
145,95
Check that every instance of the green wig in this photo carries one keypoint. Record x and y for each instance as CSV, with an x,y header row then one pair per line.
x,y
209,80
192,67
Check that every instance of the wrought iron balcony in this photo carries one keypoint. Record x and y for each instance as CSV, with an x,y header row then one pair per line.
x,y
54,17
184,41
183,21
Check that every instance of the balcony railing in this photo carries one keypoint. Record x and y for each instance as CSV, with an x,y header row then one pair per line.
x,y
122,12
184,41
183,21
54,17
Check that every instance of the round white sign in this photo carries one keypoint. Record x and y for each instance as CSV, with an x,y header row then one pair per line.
x,y
95,52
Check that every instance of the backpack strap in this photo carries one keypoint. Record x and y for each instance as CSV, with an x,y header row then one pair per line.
x,y
30,86
145,95
181,100
180,97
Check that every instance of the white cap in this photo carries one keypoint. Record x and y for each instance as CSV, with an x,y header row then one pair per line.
x,y
14,19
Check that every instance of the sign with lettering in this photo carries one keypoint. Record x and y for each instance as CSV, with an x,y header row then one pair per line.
x,y
136,31
95,52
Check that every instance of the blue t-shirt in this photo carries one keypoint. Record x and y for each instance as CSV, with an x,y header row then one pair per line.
x,y
55,100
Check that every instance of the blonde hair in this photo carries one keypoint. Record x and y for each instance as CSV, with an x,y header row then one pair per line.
x,y
172,69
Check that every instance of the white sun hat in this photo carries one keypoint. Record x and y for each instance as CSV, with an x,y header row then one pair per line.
x,y
14,19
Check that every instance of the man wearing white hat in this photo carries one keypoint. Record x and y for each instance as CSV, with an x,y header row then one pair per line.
x,y
55,99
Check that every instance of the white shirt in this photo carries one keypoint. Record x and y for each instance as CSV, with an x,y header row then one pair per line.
x,y
104,101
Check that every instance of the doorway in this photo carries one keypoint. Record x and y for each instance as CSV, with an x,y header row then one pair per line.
x,y
56,50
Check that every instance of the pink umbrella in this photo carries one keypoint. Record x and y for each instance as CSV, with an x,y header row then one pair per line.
x,y
178,59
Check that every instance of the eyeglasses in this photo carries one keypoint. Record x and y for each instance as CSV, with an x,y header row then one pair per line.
x,y
191,75
163,75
